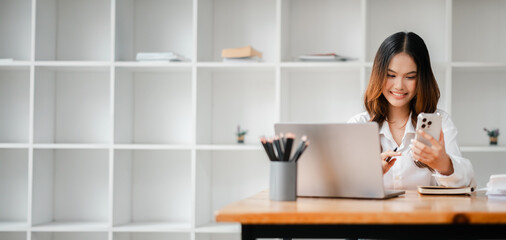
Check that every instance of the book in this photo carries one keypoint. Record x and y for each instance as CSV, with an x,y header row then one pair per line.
x,y
245,59
242,52
158,56
323,57
442,190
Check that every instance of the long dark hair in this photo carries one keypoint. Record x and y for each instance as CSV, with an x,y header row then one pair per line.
x,y
427,90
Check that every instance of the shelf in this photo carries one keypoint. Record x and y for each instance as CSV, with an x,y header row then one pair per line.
x,y
219,228
253,24
152,189
12,226
73,65
153,107
223,177
316,96
323,65
15,65
222,99
152,147
153,26
155,66
14,105
235,67
153,227
405,17
238,147
16,37
67,226
472,66
70,146
478,102
322,26
72,106
484,18
70,190
69,235
13,235
13,188
73,30
151,236
486,149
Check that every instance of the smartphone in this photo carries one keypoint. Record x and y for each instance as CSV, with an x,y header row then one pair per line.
x,y
429,123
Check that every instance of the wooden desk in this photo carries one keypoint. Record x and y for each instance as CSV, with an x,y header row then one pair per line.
x,y
409,216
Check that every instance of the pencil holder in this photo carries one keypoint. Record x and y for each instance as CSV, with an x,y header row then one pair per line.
x,y
283,181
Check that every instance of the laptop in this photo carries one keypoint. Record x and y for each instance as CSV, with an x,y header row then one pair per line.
x,y
343,160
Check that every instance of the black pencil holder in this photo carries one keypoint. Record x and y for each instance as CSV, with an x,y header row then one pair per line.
x,y
283,181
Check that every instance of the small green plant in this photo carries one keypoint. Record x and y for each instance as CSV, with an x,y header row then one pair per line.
x,y
240,134
492,133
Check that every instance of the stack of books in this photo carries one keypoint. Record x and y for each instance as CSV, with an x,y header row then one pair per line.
x,y
496,187
243,54
324,57
159,57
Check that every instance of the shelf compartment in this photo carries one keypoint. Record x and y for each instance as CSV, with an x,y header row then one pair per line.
x,y
16,38
321,26
486,164
218,236
14,105
73,30
405,16
478,102
153,107
13,188
254,23
13,235
152,190
226,99
70,190
318,96
224,177
69,235
153,26
72,106
151,236
483,18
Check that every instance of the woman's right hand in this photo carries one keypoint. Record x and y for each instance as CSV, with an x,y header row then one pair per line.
x,y
387,165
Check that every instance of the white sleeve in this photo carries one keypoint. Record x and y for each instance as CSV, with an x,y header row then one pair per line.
x,y
359,118
463,174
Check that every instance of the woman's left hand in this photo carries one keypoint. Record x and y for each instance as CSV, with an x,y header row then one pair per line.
x,y
434,156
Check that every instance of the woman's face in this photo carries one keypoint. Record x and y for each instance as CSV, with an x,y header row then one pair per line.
x,y
399,87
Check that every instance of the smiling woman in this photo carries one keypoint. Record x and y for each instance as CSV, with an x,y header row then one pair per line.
x,y
402,85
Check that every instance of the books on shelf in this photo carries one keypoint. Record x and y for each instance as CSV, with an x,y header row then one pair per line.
x,y
496,187
442,190
326,57
243,54
159,56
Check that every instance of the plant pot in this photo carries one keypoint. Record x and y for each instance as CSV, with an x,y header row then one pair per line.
x,y
493,140
240,139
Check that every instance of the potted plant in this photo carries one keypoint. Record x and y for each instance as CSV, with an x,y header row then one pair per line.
x,y
240,134
493,134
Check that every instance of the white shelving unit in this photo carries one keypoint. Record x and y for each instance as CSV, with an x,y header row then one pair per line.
x,y
94,145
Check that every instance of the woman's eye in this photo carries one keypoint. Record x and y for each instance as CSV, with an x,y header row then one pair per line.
x,y
411,77
390,76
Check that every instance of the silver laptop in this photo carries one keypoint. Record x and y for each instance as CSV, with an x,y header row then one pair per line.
x,y
342,160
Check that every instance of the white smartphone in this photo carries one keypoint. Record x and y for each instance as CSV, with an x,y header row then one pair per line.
x,y
429,123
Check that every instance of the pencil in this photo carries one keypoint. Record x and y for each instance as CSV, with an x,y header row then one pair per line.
x,y
271,150
301,152
264,143
278,147
288,146
299,149
390,158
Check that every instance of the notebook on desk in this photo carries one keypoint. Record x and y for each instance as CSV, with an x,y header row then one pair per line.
x,y
343,160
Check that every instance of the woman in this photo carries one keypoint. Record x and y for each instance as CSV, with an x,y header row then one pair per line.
x,y
401,86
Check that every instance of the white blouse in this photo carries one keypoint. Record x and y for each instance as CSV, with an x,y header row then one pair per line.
x,y
404,174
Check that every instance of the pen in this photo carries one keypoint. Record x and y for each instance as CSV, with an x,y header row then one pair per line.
x,y
299,149
390,158
288,146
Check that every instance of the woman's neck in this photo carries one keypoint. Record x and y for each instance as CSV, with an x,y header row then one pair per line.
x,y
396,114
